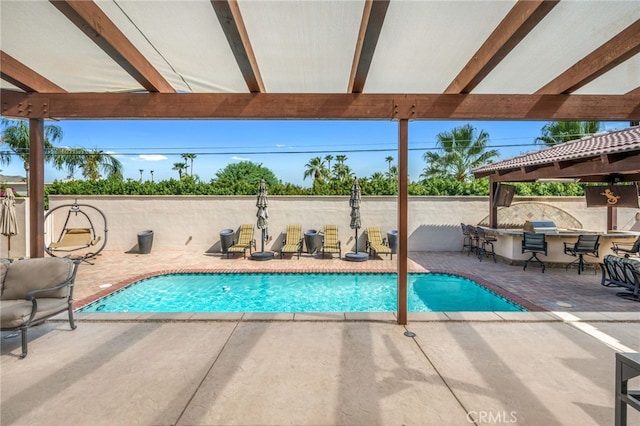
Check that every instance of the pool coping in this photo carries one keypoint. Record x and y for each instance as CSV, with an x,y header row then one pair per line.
x,y
390,317
501,292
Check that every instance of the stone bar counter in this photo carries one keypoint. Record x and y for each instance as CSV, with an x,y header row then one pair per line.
x,y
509,244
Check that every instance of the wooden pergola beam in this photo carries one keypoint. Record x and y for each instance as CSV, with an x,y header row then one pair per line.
x,y
515,26
318,106
92,21
232,24
18,74
373,16
615,51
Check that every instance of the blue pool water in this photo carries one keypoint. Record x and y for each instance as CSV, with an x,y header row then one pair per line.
x,y
297,292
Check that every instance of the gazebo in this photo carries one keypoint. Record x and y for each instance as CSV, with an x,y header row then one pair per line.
x,y
611,157
380,60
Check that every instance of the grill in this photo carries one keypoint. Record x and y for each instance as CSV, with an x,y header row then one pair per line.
x,y
542,226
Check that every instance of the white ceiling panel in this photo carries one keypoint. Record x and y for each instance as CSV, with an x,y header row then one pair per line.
x,y
571,31
42,38
424,45
307,46
620,80
303,47
183,40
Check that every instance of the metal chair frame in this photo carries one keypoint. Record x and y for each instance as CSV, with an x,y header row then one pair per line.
x,y
534,243
484,241
587,245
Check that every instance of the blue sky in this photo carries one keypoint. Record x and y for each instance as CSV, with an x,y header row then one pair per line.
x,y
282,146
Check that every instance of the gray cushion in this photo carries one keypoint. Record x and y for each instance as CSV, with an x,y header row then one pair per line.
x,y
4,265
27,275
14,313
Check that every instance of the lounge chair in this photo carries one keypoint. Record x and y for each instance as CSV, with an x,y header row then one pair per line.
x,y
293,241
244,241
74,239
626,248
330,242
375,243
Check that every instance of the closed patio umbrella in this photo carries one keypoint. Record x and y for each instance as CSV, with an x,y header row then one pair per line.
x,y
263,221
354,203
8,221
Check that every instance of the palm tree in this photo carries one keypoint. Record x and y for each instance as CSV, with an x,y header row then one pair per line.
x,y
342,172
393,172
316,168
91,162
389,159
141,170
96,161
151,171
341,158
463,150
69,159
328,159
190,157
179,167
15,135
377,176
564,131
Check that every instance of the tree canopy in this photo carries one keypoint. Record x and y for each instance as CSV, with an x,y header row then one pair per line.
x,y
244,174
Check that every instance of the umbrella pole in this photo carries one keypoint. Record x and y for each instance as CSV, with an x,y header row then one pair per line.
x,y
262,241
356,240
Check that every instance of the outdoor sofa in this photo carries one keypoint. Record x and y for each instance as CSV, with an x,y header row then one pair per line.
x,y
622,272
34,290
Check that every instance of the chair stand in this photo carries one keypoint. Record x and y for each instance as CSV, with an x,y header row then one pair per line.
x,y
581,264
482,250
467,243
474,245
533,258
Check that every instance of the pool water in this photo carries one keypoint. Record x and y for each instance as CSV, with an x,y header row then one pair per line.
x,y
299,292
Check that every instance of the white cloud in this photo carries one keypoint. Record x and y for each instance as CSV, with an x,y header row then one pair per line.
x,y
151,157
281,145
114,154
236,158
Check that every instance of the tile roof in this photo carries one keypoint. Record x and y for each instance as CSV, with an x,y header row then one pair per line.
x,y
614,142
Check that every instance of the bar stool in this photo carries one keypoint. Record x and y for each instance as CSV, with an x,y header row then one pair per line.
x,y
485,241
474,240
467,241
534,243
587,245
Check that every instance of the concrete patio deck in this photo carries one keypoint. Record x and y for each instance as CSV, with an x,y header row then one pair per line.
x,y
532,368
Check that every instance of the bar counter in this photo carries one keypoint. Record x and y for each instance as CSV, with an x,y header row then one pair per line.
x,y
509,244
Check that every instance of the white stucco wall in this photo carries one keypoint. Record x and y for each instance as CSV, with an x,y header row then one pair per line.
x,y
193,223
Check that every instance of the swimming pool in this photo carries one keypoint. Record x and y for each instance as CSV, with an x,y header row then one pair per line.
x,y
300,292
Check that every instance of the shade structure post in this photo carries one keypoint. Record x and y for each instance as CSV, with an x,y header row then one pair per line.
x,y
36,187
403,214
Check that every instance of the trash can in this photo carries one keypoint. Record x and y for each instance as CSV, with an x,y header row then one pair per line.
x,y
313,240
145,241
392,237
226,239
